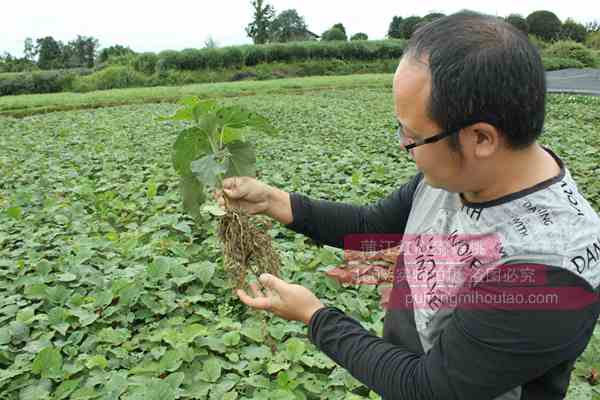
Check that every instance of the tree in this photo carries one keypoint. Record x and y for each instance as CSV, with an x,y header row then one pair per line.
x,y
49,53
288,26
394,29
573,30
9,63
258,29
29,50
113,52
593,26
360,36
81,52
518,22
433,16
210,43
339,26
409,25
544,24
334,34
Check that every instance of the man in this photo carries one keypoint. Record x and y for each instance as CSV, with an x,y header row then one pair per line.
x,y
470,101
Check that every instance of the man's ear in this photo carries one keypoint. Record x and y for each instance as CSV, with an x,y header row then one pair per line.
x,y
484,138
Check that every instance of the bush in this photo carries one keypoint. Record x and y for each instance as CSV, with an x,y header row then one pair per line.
x,y
52,81
360,36
593,40
233,56
573,50
544,24
538,42
554,63
255,54
168,59
250,55
145,62
115,77
105,55
572,30
333,34
123,60
191,59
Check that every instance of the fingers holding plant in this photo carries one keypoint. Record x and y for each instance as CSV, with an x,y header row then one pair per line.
x,y
286,300
246,193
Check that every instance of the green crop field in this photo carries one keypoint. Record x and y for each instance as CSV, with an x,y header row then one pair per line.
x,y
109,290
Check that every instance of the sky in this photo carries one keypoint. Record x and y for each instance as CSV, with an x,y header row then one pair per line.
x,y
152,25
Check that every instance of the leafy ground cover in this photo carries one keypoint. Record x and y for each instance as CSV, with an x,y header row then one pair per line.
x,y
111,291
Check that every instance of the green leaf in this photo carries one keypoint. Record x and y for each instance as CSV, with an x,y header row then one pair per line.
x,y
116,386
209,126
219,391
204,270
175,380
26,315
96,361
234,116
84,393
48,363
113,336
5,335
238,117
231,339
356,178
214,209
65,389
159,390
262,124
277,331
242,161
254,352
295,348
38,390
183,114
229,134
191,332
171,361
190,145
254,331
230,396
201,108
211,371
208,170
151,190
14,212
193,195
85,317
274,366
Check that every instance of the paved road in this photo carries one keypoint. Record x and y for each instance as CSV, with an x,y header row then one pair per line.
x,y
579,81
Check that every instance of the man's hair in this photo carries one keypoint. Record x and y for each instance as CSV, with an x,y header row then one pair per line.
x,y
482,70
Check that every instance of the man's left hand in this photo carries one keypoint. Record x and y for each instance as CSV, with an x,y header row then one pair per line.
x,y
289,301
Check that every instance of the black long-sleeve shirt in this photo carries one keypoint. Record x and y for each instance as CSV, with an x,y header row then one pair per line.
x,y
496,352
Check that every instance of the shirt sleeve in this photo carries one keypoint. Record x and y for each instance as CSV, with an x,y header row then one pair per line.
x,y
481,354
327,222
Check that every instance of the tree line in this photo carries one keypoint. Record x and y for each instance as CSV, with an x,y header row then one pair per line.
x,y
543,24
268,26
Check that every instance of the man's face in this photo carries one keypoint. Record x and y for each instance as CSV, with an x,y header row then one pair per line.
x,y
441,166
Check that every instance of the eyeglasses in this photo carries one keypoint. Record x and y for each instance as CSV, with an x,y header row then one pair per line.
x,y
409,143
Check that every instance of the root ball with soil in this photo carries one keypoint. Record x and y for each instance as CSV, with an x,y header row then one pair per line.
x,y
246,247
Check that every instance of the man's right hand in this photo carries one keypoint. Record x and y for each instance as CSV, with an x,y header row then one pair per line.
x,y
255,197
